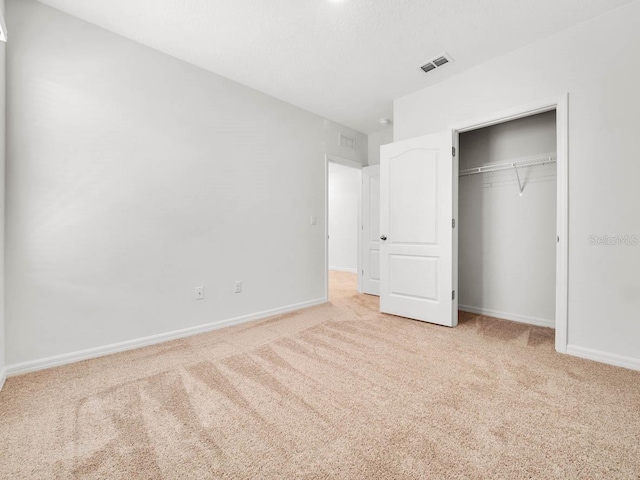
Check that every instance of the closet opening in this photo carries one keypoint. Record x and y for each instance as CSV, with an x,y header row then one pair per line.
x,y
507,220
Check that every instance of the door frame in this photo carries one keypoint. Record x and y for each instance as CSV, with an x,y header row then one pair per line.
x,y
345,162
561,106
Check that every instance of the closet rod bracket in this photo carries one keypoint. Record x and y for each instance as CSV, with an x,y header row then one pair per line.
x,y
519,181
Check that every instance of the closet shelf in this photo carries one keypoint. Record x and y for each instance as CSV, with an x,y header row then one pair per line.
x,y
522,163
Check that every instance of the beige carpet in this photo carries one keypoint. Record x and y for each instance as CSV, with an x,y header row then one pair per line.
x,y
336,391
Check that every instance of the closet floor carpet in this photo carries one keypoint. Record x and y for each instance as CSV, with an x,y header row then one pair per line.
x,y
334,391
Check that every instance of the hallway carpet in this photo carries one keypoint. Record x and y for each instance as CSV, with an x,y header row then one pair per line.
x,y
335,391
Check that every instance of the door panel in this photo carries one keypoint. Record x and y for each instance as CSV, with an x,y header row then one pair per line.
x,y
373,183
413,276
416,212
412,181
374,264
371,230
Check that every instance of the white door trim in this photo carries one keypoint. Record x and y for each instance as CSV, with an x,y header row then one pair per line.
x,y
561,105
343,161
326,227
330,157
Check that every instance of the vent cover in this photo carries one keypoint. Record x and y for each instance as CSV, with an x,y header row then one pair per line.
x,y
437,62
427,67
347,142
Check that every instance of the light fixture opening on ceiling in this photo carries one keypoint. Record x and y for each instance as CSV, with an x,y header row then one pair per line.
x,y
385,121
437,62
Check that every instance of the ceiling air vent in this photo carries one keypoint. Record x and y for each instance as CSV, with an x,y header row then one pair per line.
x,y
439,61
427,67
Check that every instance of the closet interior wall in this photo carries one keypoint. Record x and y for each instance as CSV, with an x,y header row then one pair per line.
x,y
507,240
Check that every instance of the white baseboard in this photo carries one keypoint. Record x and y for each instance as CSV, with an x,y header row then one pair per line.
x,y
344,269
604,357
540,322
64,359
3,377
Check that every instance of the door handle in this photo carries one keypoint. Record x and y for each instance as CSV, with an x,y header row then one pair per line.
x,y
383,237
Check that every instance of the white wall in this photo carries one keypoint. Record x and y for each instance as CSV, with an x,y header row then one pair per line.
x,y
375,141
344,191
507,242
134,178
2,194
604,116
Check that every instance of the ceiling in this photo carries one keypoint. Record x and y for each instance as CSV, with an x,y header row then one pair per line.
x,y
343,59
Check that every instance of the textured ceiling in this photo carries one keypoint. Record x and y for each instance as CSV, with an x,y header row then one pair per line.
x,y
345,60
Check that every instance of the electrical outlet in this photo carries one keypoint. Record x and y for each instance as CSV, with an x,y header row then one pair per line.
x,y
199,293
237,287
314,219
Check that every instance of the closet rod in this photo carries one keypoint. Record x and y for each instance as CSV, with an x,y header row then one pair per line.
x,y
509,165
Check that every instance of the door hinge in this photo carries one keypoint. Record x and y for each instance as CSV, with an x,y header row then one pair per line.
x,y
453,151
453,295
453,223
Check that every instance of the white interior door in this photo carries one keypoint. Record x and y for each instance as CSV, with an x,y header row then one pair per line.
x,y
416,216
371,230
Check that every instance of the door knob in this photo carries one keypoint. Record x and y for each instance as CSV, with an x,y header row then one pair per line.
x,y
383,237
